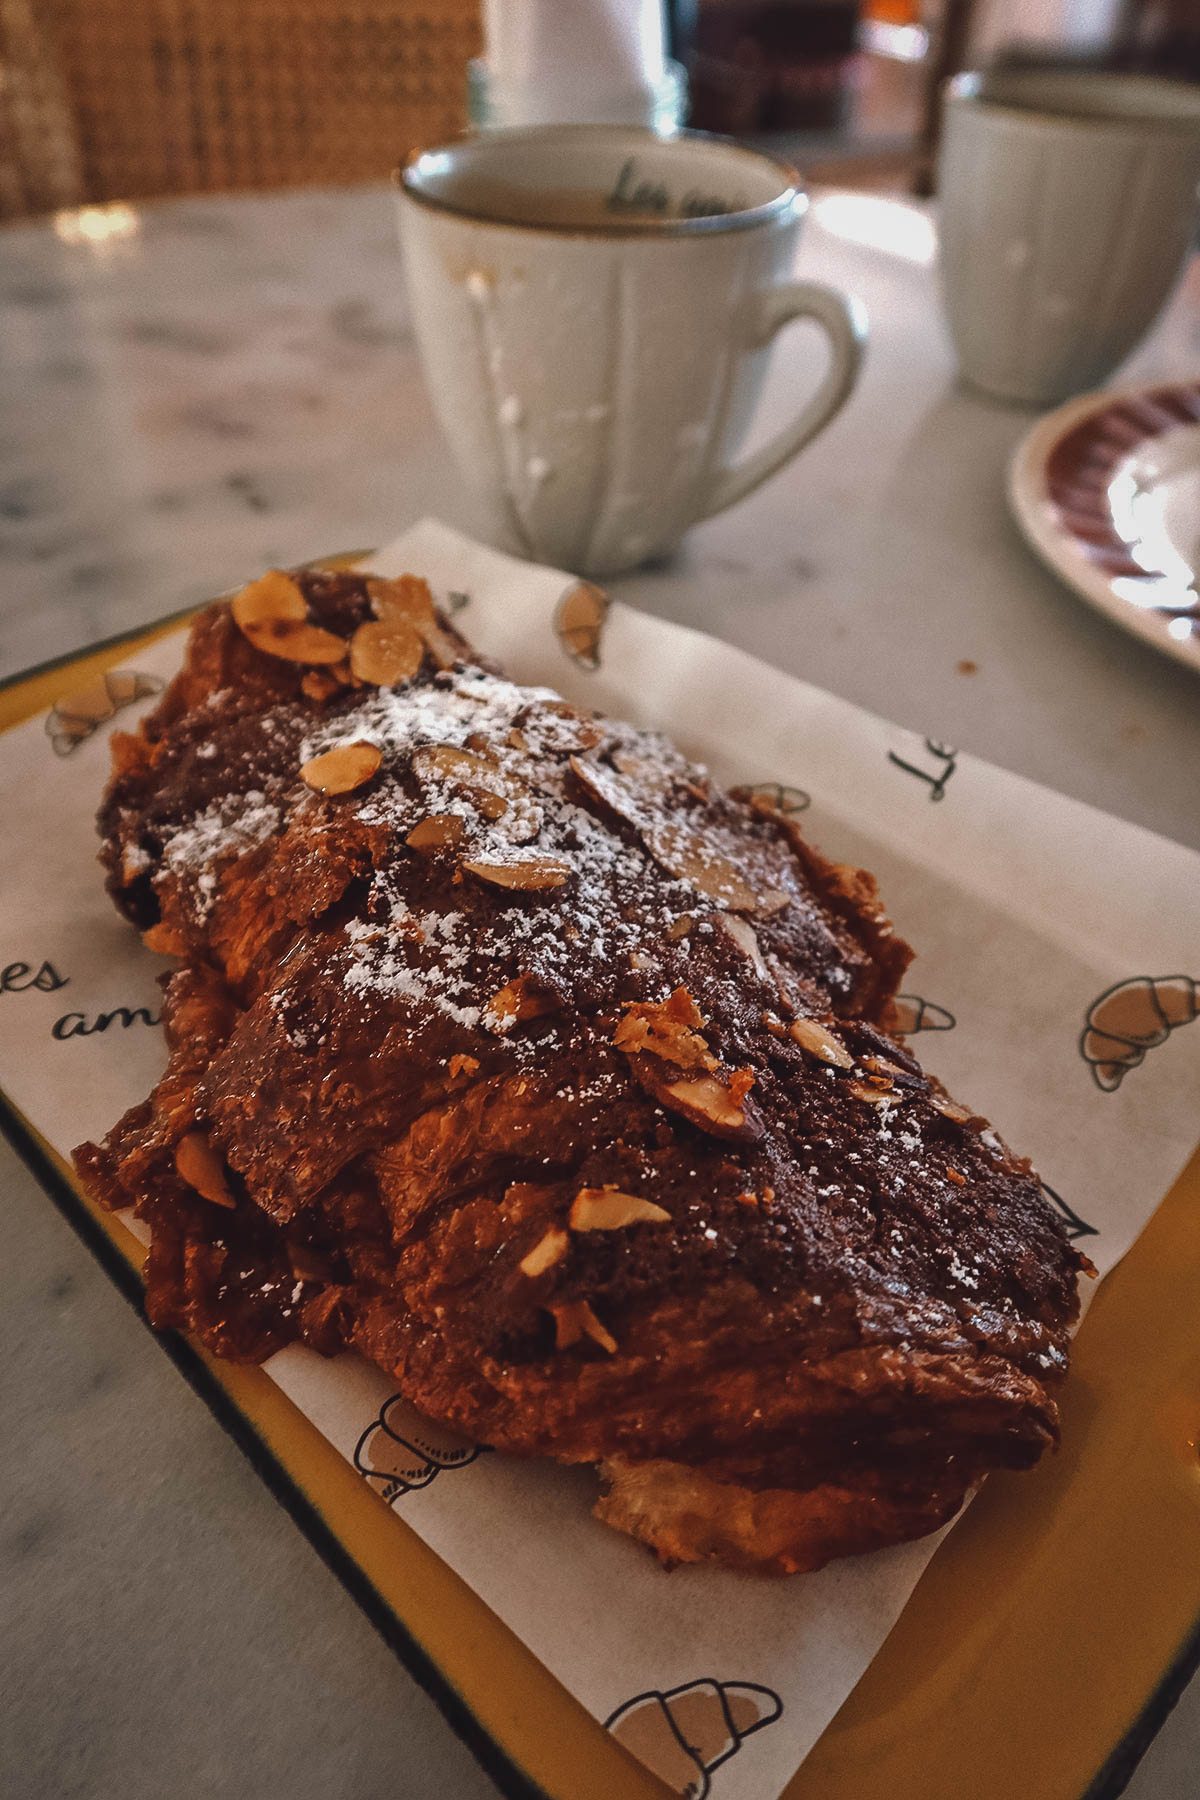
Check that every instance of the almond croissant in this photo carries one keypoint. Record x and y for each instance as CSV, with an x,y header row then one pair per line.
x,y
510,1051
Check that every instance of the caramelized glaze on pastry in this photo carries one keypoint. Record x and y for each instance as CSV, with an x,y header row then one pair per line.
x,y
510,1051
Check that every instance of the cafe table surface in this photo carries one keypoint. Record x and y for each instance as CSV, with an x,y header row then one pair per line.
x,y
192,391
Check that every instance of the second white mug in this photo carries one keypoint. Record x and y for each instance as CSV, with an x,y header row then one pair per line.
x,y
1067,203
594,307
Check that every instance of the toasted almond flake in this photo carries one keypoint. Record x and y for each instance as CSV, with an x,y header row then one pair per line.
x,y
273,596
386,651
342,769
319,684
523,998
295,640
743,936
772,902
775,1026
403,597
516,740
549,1250
740,1084
531,876
879,1065
446,762
747,1199
608,1209
954,1175
441,646
705,1100
681,927
768,798
873,1096
665,1028
463,1065
440,831
687,854
820,1043
574,1319
199,1165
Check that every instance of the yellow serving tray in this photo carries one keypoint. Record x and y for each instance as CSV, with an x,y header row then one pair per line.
x,y
1040,1651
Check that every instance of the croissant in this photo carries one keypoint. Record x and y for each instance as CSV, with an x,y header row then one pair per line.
x,y
510,1051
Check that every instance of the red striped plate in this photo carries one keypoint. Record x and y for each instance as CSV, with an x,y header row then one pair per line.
x,y
1107,490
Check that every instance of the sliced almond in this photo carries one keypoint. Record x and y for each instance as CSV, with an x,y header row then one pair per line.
x,y
608,1209
688,855
404,597
319,684
386,651
573,1320
740,1083
476,775
771,797
879,1065
531,876
342,769
199,1165
273,596
406,600
820,1043
680,928
872,1095
441,646
639,962
666,1028
446,762
708,1103
295,640
772,902
955,1176
549,1250
743,936
463,1065
524,998
440,831
775,1026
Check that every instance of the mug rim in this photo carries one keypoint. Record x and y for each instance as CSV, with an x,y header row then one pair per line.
x,y
967,90
791,202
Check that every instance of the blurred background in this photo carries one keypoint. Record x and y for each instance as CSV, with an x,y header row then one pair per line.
x,y
108,100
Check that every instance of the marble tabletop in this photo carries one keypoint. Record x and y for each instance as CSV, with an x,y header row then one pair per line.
x,y
190,391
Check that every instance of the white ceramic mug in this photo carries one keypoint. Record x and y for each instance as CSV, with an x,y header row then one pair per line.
x,y
1067,201
594,306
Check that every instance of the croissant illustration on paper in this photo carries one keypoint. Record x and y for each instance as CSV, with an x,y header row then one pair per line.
x,y
72,721
774,797
579,621
910,1014
682,1735
1134,1016
401,1450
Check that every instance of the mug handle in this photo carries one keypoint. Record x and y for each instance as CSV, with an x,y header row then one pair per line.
x,y
845,323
